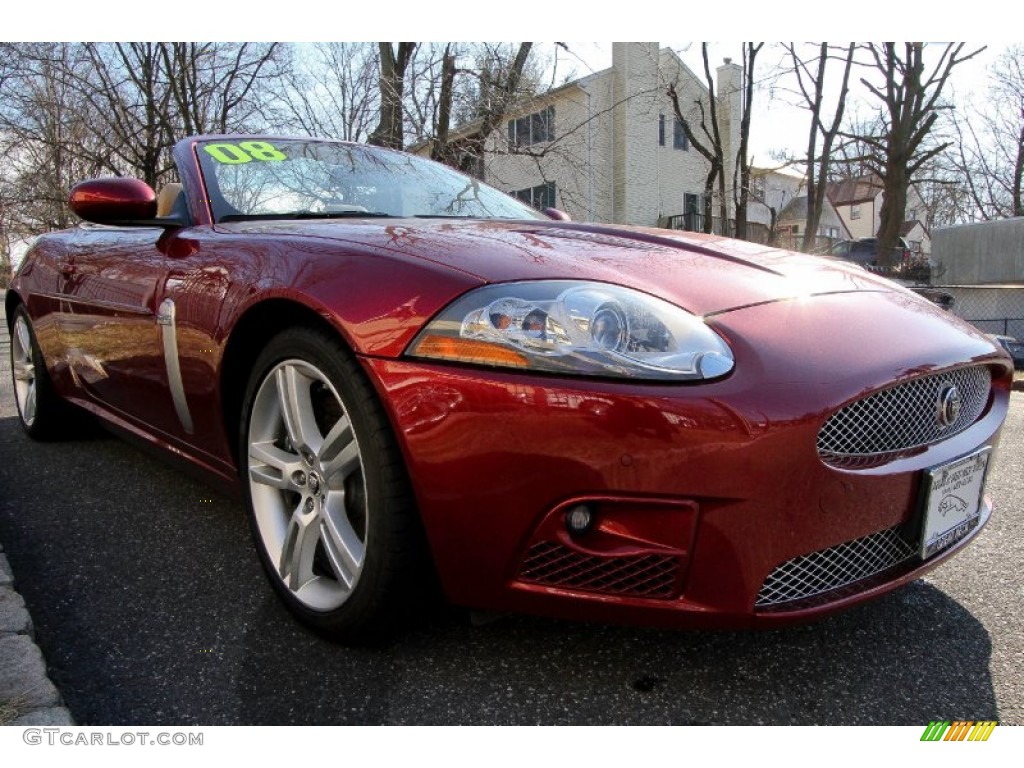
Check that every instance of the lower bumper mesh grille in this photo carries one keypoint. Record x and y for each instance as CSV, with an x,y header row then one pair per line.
x,y
835,567
555,565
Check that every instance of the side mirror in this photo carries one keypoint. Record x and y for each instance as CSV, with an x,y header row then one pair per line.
x,y
556,214
118,201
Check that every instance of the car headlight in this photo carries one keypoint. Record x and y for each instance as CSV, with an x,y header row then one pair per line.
x,y
575,327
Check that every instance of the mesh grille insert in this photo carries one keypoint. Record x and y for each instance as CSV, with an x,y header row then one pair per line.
x,y
902,418
553,564
835,567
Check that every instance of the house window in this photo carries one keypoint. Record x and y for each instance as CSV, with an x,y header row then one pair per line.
x,y
661,130
796,229
757,187
693,212
679,140
854,211
532,129
911,214
540,197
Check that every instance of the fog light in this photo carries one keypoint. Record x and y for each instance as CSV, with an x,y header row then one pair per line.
x,y
579,519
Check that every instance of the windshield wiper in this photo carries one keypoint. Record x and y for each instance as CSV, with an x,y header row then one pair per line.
x,y
307,215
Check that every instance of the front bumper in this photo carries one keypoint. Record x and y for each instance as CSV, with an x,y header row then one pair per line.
x,y
700,490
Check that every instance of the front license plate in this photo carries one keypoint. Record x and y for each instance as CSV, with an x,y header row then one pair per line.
x,y
952,502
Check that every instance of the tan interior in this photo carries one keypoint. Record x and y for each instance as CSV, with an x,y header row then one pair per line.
x,y
166,199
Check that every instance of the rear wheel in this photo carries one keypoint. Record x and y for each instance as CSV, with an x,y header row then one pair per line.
x,y
328,498
43,415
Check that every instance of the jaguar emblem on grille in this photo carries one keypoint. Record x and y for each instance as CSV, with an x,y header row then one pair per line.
x,y
948,405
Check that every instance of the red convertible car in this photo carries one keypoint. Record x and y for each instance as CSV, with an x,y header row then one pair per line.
x,y
416,380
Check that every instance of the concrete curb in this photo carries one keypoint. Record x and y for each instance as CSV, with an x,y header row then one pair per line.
x,y
27,696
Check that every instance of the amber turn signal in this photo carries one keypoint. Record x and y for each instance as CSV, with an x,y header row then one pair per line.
x,y
468,351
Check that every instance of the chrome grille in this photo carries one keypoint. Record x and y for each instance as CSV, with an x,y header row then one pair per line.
x,y
903,417
553,564
835,567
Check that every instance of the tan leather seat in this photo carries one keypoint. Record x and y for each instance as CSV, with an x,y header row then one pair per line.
x,y
165,201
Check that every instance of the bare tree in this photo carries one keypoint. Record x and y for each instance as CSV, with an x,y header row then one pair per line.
x,y
46,138
741,186
332,90
986,163
852,155
499,81
390,130
75,110
702,126
452,85
124,85
819,160
909,108
215,86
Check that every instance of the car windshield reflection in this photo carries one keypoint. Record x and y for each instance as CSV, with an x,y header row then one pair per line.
x,y
297,179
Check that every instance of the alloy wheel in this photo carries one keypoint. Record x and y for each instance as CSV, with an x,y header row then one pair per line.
x,y
24,370
306,484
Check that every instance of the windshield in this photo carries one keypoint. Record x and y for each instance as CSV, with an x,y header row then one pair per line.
x,y
289,178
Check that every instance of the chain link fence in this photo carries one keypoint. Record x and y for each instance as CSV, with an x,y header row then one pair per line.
x,y
995,309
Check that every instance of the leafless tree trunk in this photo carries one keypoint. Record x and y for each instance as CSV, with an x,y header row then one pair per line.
x,y
390,131
812,88
741,187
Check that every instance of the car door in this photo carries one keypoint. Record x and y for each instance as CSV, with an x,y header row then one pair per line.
x,y
108,321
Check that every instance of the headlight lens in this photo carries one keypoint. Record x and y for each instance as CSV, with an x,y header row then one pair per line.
x,y
575,327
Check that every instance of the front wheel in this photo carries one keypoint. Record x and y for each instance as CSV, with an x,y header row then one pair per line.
x,y
328,498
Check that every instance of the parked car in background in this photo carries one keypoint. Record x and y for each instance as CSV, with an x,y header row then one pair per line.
x,y
865,251
1014,347
905,264
415,379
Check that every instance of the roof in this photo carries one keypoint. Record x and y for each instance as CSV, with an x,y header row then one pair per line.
x,y
850,191
908,226
796,210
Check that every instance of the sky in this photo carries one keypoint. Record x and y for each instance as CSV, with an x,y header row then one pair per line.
x,y
473,20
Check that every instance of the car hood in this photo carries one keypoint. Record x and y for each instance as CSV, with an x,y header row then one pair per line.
x,y
704,274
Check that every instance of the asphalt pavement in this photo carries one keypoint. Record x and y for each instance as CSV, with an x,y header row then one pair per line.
x,y
150,608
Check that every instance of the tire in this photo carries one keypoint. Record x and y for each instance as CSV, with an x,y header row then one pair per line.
x,y
329,502
43,415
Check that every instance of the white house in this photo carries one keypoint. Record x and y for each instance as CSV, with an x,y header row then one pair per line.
x,y
778,202
607,147
859,203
